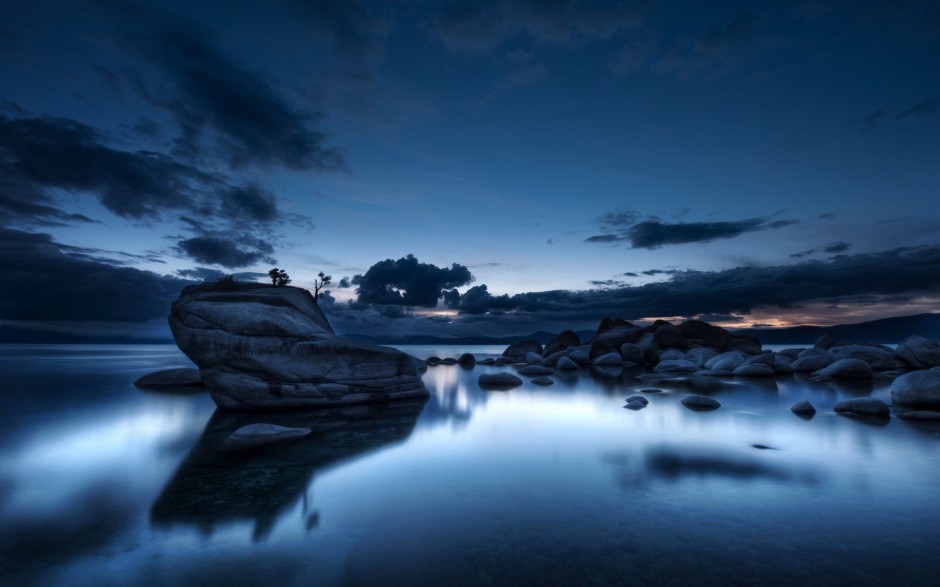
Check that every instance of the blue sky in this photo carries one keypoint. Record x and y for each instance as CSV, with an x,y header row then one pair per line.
x,y
580,158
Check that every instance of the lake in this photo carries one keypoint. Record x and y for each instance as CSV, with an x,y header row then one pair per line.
x,y
104,484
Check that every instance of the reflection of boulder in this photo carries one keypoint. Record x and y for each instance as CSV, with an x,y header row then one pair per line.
x,y
221,482
260,346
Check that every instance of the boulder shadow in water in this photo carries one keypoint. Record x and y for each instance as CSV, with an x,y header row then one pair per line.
x,y
219,483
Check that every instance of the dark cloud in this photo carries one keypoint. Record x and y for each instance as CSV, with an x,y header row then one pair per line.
x,y
477,300
921,108
344,283
44,280
39,154
209,274
874,118
831,248
221,250
630,274
249,204
653,233
249,121
898,275
406,282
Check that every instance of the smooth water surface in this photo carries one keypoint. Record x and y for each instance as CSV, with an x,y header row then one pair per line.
x,y
103,484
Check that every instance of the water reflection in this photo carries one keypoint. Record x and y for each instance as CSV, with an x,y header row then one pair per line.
x,y
218,483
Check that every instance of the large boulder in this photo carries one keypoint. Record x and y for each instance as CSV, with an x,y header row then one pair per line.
x,y
918,389
744,343
879,358
517,350
845,369
262,347
705,333
562,341
919,352
668,336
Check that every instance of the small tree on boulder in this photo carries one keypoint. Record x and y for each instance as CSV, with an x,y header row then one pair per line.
x,y
279,277
318,284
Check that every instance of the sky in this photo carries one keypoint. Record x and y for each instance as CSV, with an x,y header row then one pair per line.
x,y
471,167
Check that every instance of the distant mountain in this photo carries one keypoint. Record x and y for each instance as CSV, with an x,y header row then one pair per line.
x,y
10,335
886,330
425,339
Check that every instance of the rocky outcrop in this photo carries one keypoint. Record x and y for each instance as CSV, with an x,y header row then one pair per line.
x,y
918,389
564,340
517,351
919,352
260,346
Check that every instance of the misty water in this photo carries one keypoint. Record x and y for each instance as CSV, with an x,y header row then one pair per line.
x,y
104,484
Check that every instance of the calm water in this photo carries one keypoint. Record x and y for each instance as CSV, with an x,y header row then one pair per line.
x,y
102,484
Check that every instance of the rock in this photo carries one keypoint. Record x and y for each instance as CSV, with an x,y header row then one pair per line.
x,y
553,358
878,359
845,369
700,402
754,370
793,353
631,353
531,357
467,359
701,355
518,350
449,361
533,370
636,402
602,346
580,357
814,352
432,361
566,364
676,366
668,336
261,346
501,380
168,379
920,416
744,343
709,335
917,389
672,355
919,352
255,434
811,363
507,360
647,343
863,406
762,447
728,361
562,341
767,359
420,364
803,408
609,360
783,367
488,361
607,325
824,342
543,380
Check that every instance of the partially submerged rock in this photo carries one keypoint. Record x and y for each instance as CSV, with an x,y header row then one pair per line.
x,y
863,406
919,352
845,369
803,408
534,370
517,351
543,380
918,389
260,346
700,402
566,364
261,433
172,380
501,380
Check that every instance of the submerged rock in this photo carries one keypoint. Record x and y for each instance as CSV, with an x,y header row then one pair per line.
x,y
543,380
803,408
502,380
863,406
845,369
264,433
920,416
636,402
919,352
171,379
700,402
261,346
918,389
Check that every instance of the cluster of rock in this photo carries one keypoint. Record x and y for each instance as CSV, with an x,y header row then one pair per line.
x,y
261,346
695,347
